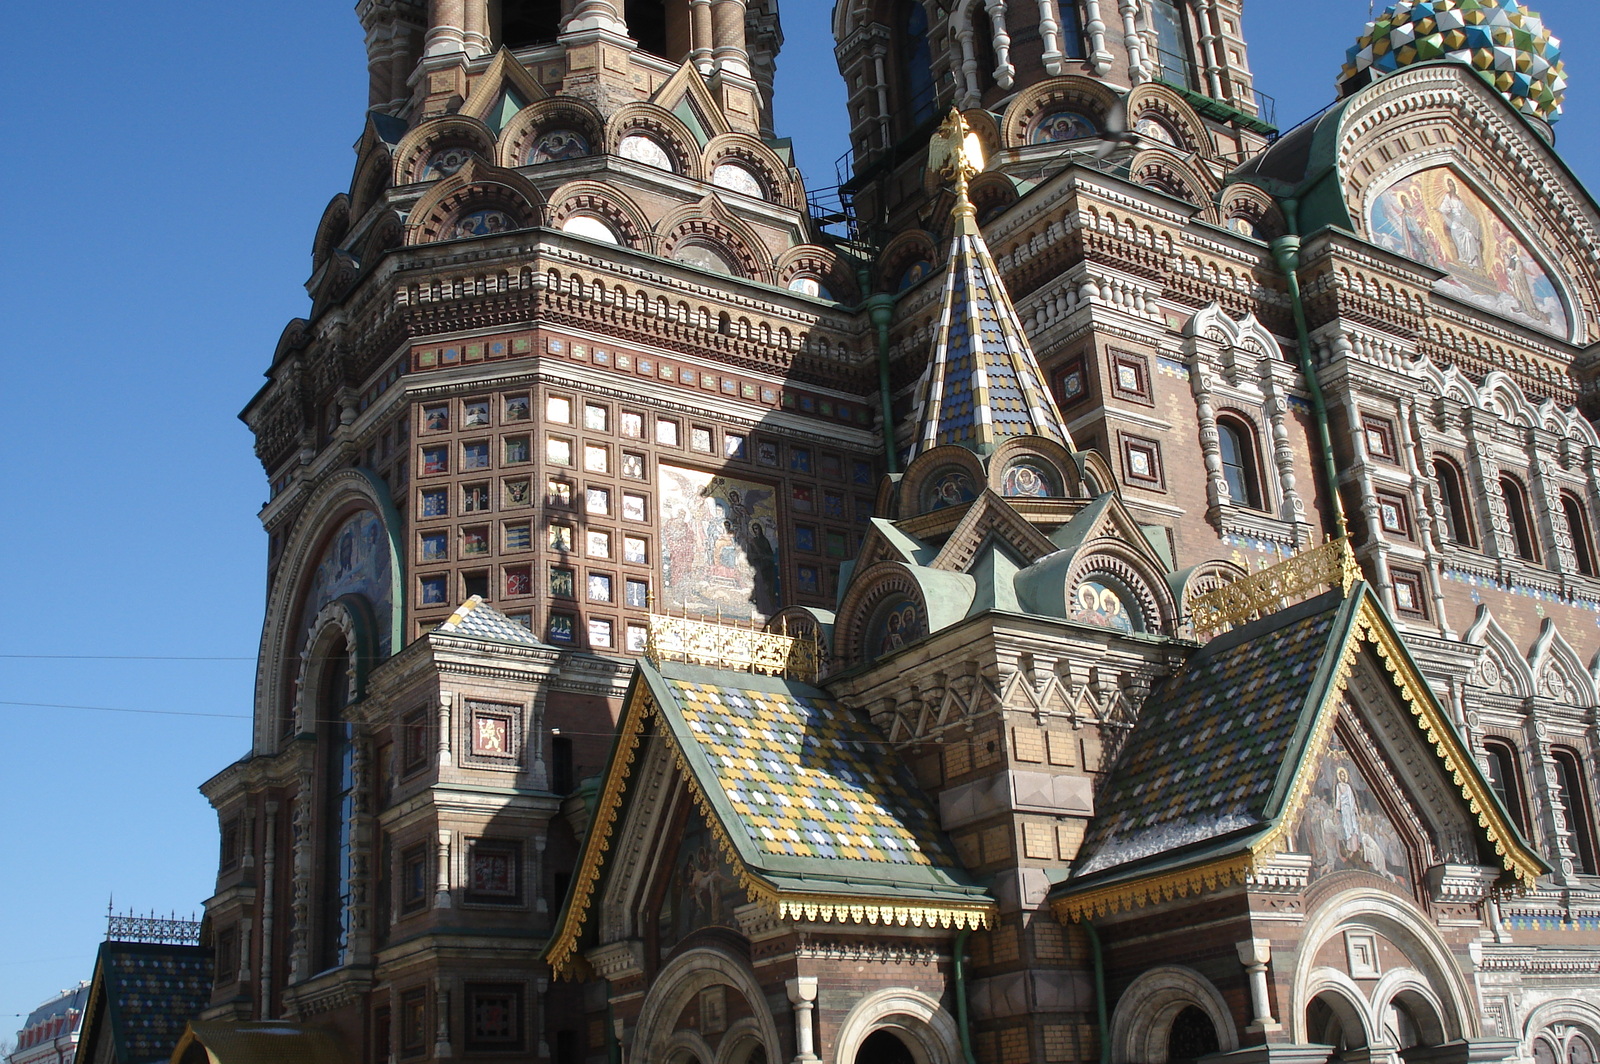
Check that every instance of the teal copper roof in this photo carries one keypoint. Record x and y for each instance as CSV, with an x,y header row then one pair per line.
x,y
983,384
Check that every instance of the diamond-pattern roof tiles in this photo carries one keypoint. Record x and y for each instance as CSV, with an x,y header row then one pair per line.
x,y
475,619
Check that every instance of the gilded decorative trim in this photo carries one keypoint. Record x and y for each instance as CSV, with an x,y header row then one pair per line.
x,y
726,646
1441,733
1368,627
1331,565
1153,890
561,954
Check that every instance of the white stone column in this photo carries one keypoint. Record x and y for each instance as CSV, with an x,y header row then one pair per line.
x,y
1254,954
441,873
803,996
1050,35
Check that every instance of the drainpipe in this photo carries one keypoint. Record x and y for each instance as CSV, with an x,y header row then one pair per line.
x,y
881,306
1099,991
962,1022
1286,250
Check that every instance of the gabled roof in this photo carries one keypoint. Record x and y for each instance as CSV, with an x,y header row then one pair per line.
x,y
263,1042
1223,754
141,997
817,815
475,619
983,384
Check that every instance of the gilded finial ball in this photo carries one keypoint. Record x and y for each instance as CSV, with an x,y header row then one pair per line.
x,y
1507,44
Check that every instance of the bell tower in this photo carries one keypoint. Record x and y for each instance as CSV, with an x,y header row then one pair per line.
x,y
908,62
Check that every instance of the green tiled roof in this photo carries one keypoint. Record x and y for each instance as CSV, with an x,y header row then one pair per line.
x,y
1206,757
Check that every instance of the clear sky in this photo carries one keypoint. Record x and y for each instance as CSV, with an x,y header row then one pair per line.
x,y
169,165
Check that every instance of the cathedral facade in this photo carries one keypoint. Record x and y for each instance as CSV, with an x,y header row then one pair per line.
x,y
1119,584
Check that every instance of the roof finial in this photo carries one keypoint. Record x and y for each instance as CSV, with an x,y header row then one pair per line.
x,y
957,152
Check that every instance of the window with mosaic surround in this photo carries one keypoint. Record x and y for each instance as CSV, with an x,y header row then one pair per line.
x,y
1071,382
492,730
1408,593
494,871
1378,433
494,1017
1130,375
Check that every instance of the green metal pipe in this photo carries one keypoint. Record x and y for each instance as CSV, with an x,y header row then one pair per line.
x,y
881,306
1286,250
962,1023
1099,991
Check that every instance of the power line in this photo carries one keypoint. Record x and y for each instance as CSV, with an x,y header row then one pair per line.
x,y
116,657
125,709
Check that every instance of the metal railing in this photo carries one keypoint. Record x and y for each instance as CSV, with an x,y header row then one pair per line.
x,y
170,930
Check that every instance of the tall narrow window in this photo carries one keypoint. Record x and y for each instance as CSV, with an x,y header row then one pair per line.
x,y
1578,525
1071,29
338,806
916,64
1234,440
1506,781
1172,44
1453,500
522,23
983,46
1576,803
647,24
561,781
1520,518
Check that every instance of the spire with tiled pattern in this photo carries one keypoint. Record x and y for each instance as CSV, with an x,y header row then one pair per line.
x,y
983,384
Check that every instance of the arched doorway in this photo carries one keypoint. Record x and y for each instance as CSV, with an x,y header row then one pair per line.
x,y
1192,1036
883,1047
1333,1020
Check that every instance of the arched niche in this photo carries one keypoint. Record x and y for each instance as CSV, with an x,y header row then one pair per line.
x,y
419,155
680,980
551,131
1028,120
479,200
917,1021
1142,1025
939,479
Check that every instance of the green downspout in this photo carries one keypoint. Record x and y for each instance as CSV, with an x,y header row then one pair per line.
x,y
1286,250
1099,991
881,307
962,1023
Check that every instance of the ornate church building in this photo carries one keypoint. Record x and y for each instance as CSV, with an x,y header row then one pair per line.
x,y
1119,584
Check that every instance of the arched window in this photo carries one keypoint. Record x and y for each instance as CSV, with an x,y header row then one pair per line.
x,y
523,23
1506,781
882,1047
1237,444
1578,806
1578,525
1453,500
983,45
337,806
1520,518
1192,1036
916,64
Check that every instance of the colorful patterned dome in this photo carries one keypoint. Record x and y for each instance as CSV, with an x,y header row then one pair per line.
x,y
1507,44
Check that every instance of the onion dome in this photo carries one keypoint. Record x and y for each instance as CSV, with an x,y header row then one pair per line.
x,y
1507,45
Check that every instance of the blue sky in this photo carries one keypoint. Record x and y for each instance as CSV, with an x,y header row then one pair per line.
x,y
167,174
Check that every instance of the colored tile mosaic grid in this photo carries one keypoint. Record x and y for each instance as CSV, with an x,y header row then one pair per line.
x,y
808,779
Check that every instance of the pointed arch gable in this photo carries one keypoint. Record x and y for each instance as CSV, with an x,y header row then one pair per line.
x,y
822,263
1558,670
504,71
1501,667
1166,171
372,177
477,183
1500,395
688,85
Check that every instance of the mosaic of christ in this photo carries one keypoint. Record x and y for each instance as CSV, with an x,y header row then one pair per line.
x,y
1436,218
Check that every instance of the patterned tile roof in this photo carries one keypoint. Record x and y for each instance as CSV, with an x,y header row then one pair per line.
x,y
151,991
1211,744
983,385
807,778
475,619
